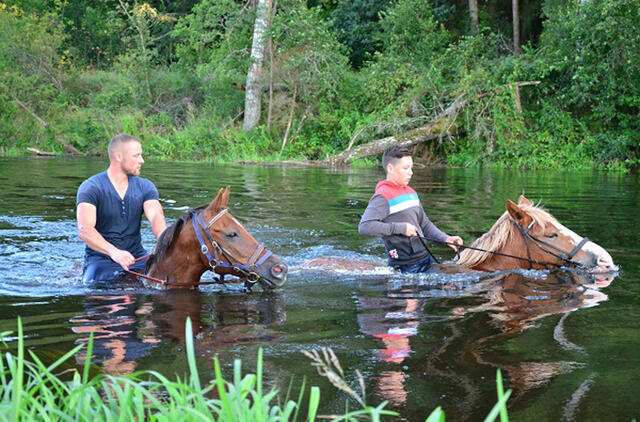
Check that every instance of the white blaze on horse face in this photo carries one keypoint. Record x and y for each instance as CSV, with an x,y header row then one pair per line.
x,y
603,260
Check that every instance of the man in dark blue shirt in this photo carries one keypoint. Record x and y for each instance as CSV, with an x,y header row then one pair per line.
x,y
109,211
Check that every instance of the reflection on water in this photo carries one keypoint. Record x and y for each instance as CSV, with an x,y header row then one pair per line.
x,y
561,340
514,301
126,327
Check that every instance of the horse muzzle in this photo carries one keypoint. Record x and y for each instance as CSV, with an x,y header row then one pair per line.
x,y
596,258
273,273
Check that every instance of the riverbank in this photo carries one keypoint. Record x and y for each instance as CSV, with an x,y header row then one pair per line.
x,y
565,96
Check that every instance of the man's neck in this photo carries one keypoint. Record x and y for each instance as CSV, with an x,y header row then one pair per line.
x,y
117,176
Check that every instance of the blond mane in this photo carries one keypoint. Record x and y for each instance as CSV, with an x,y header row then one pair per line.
x,y
496,238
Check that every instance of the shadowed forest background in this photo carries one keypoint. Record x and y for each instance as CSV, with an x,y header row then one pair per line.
x,y
332,75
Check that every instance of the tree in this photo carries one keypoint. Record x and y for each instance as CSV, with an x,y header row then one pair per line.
x,y
253,93
516,28
473,15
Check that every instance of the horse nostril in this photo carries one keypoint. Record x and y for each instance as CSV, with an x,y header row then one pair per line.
x,y
278,270
604,261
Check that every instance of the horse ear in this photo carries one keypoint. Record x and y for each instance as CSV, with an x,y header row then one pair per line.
x,y
524,201
225,197
517,213
217,200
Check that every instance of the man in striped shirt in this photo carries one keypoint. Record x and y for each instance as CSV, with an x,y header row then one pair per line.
x,y
394,213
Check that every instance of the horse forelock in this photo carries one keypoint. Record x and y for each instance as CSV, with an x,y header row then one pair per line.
x,y
168,237
502,230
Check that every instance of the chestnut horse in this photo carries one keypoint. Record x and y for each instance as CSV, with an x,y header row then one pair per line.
x,y
209,238
525,236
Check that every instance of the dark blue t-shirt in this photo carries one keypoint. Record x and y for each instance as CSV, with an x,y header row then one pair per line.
x,y
117,220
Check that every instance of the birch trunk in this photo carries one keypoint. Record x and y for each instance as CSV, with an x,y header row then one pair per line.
x,y
253,93
473,15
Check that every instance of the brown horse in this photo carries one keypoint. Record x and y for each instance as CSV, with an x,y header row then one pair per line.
x,y
525,236
209,238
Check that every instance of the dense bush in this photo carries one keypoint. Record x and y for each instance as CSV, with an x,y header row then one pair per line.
x,y
75,73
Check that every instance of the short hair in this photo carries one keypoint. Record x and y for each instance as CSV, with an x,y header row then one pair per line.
x,y
118,140
394,153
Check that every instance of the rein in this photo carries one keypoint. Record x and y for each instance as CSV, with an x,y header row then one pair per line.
x,y
563,255
248,271
168,283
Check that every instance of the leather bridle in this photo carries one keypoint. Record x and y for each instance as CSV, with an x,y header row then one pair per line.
x,y
247,271
565,256
561,254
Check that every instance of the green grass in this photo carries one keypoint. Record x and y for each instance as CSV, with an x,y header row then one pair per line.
x,y
31,390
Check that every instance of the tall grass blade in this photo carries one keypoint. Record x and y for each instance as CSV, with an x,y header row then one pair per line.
x,y
18,375
503,409
436,416
87,361
314,401
191,355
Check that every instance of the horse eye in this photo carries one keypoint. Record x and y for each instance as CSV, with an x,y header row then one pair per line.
x,y
231,235
551,236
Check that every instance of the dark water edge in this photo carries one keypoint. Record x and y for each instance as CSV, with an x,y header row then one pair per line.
x,y
569,353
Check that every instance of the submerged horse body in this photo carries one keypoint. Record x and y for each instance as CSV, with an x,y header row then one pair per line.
x,y
526,236
209,238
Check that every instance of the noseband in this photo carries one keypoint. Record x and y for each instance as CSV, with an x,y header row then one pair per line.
x,y
248,270
560,253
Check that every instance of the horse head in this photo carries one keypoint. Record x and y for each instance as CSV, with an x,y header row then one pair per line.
x,y
238,248
210,238
531,233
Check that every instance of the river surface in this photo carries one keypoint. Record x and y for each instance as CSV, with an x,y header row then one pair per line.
x,y
569,349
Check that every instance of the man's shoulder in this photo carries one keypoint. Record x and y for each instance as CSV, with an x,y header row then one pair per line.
x,y
144,186
97,180
142,181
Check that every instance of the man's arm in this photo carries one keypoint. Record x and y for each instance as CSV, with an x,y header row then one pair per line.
x,y
371,223
86,218
154,213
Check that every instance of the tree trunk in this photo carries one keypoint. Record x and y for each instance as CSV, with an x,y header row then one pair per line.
x,y
272,12
441,125
516,28
437,128
473,15
253,93
291,114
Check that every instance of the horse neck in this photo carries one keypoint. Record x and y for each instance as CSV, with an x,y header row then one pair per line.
x,y
182,263
515,245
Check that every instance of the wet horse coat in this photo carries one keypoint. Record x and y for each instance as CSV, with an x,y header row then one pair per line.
x,y
209,238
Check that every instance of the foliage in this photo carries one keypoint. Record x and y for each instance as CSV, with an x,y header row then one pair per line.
x,y
30,390
589,65
73,73
357,25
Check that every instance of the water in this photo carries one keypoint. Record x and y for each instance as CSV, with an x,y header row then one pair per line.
x,y
568,351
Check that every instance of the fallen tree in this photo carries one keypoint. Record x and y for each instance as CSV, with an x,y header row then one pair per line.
x,y
441,126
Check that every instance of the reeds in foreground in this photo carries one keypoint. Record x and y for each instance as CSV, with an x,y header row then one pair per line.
x,y
31,390
328,365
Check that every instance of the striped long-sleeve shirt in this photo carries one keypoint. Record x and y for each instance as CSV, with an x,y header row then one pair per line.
x,y
389,210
